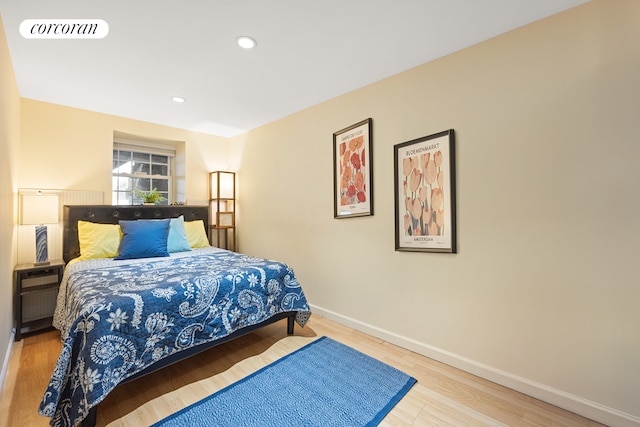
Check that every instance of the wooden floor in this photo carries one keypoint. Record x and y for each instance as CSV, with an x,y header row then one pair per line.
x,y
443,396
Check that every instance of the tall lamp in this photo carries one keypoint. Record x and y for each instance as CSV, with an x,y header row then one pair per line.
x,y
222,205
40,209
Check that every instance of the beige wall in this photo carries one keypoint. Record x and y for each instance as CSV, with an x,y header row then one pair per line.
x,y
71,149
9,143
543,294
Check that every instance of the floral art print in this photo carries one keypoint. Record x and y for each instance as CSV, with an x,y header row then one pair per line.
x,y
425,216
352,171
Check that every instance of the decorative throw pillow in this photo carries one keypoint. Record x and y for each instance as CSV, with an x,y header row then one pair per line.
x,y
144,238
177,241
98,240
196,234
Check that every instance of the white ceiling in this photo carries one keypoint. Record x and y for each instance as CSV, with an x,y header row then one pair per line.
x,y
308,52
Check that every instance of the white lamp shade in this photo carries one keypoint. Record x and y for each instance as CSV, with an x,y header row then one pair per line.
x,y
39,209
226,185
225,181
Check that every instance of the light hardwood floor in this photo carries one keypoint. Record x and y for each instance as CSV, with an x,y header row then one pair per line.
x,y
443,396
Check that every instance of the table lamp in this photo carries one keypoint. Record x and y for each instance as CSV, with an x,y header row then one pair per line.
x,y
40,209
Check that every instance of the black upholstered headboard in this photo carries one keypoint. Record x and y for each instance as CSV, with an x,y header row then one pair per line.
x,y
107,214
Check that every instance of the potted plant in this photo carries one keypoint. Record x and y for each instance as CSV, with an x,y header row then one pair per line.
x,y
150,197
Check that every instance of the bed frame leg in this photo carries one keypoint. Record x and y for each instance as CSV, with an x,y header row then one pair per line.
x,y
290,322
90,420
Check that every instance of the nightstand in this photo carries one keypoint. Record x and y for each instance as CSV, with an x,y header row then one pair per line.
x,y
35,298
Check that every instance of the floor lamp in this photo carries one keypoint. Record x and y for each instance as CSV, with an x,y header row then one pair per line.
x,y
40,209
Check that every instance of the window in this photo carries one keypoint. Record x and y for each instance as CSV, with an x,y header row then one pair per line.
x,y
141,168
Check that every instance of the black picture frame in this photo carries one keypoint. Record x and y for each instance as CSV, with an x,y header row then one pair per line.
x,y
353,170
425,194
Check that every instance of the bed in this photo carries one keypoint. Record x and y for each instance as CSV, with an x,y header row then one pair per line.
x,y
132,310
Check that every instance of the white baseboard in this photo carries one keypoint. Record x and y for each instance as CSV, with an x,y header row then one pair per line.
x,y
5,365
570,402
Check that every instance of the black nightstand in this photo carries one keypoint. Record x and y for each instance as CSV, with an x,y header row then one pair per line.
x,y
35,298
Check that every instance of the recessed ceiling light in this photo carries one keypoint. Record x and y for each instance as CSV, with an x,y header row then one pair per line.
x,y
178,99
246,42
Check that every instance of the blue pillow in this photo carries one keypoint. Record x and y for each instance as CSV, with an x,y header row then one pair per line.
x,y
177,241
143,239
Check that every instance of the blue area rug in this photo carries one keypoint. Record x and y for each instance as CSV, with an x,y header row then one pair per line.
x,y
325,383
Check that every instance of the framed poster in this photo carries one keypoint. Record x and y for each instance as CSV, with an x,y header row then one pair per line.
x,y
425,208
352,171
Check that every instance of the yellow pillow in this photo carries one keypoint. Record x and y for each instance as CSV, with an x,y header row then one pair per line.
x,y
196,234
98,240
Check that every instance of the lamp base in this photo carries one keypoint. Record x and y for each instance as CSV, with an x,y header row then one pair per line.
x,y
42,251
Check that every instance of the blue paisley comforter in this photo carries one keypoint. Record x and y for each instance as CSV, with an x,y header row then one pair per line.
x,y
119,317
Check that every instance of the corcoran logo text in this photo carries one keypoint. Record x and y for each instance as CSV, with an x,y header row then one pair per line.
x,y
64,29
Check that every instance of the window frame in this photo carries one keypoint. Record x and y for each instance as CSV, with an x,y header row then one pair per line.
x,y
146,148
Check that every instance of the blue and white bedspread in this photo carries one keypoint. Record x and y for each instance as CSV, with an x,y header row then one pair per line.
x,y
119,317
